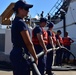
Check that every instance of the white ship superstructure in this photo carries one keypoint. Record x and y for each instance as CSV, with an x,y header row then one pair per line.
x,y
70,18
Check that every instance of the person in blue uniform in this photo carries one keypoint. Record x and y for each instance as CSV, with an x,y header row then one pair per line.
x,y
51,44
67,41
21,40
59,52
39,39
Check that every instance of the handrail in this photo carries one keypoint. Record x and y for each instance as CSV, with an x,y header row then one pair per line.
x,y
56,13
56,6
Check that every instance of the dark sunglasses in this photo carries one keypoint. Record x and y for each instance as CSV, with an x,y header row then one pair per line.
x,y
26,9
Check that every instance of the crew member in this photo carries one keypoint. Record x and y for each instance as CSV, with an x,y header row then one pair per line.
x,y
39,39
67,41
51,44
59,43
21,40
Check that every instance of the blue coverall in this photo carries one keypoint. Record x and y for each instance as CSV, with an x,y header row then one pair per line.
x,y
49,57
20,65
38,48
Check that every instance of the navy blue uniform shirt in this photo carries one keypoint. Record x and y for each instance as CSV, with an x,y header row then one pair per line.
x,y
20,65
18,25
50,35
37,30
58,38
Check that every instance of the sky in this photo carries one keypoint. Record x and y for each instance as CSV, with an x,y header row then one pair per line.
x,y
38,6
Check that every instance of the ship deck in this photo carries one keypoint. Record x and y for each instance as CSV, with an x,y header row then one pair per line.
x,y
55,72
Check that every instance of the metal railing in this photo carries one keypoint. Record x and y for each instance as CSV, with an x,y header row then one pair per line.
x,y
57,10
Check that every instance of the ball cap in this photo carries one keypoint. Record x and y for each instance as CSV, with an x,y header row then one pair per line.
x,y
59,31
50,24
22,4
43,20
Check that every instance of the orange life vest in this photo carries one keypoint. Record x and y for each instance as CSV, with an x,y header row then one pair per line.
x,y
35,39
53,37
60,40
66,41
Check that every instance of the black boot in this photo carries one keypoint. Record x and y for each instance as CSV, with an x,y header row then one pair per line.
x,y
48,72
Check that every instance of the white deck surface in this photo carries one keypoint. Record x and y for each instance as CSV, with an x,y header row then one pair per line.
x,y
56,72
